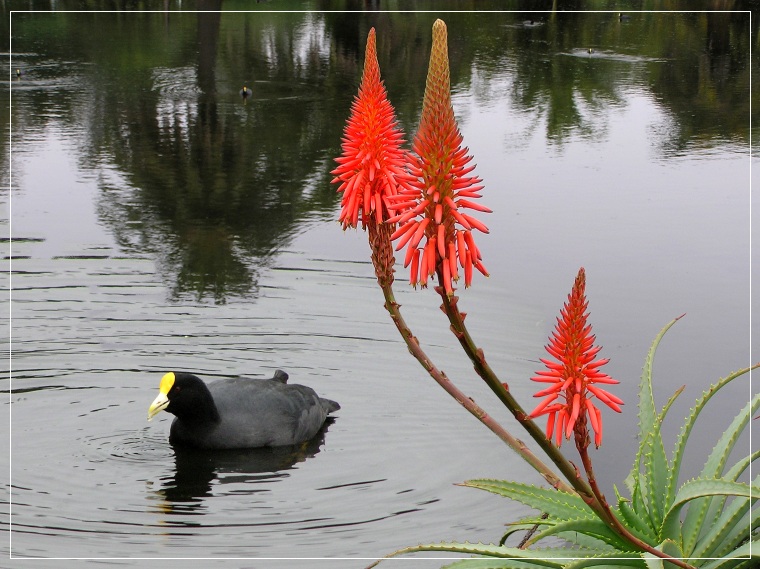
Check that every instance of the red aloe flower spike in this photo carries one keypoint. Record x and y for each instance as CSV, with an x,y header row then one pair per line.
x,y
434,198
569,401
372,164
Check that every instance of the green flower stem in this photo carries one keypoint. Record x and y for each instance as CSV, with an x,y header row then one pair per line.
x,y
476,355
383,261
589,491
582,443
468,403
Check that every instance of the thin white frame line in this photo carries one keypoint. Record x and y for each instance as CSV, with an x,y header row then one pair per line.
x,y
10,285
10,244
751,543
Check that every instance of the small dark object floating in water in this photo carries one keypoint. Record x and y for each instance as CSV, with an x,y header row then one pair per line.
x,y
245,92
240,412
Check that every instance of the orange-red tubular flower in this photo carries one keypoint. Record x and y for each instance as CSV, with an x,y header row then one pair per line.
x,y
569,398
430,209
372,157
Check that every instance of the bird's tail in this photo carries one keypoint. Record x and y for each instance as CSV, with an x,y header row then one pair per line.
x,y
329,404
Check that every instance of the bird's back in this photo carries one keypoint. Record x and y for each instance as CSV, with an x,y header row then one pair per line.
x,y
261,412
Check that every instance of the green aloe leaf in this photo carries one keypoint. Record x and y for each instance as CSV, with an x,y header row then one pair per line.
x,y
593,528
524,525
732,521
750,563
638,500
714,542
717,504
747,555
609,560
562,555
633,521
696,489
538,558
740,533
641,498
647,409
654,562
478,563
668,546
561,505
694,522
656,466
584,541
687,427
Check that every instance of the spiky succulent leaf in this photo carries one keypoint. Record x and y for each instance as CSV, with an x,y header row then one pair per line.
x,y
667,546
637,526
633,521
746,555
744,530
584,541
538,558
697,489
609,560
717,505
491,563
561,505
562,556
695,517
524,525
641,497
592,528
733,521
656,466
688,425
727,518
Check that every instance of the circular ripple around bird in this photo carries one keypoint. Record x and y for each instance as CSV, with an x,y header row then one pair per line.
x,y
143,446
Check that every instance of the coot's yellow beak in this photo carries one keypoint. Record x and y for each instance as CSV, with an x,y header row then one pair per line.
x,y
162,401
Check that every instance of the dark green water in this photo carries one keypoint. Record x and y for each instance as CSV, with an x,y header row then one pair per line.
x,y
154,220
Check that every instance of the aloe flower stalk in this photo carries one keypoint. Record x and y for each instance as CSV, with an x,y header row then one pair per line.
x,y
372,157
431,207
575,377
425,195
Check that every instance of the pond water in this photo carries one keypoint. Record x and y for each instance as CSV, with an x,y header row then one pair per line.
x,y
154,220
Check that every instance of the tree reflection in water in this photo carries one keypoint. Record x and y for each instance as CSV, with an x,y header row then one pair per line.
x,y
212,185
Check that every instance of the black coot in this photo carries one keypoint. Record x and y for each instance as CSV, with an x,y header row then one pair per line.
x,y
240,412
